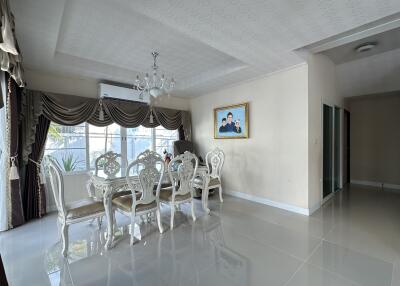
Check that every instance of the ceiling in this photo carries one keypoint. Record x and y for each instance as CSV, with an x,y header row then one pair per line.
x,y
376,74
372,72
206,45
386,41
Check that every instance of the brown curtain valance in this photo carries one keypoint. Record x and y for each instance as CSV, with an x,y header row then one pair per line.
x,y
73,110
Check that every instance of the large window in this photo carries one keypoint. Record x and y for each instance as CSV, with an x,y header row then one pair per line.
x,y
67,145
137,140
77,147
164,139
101,140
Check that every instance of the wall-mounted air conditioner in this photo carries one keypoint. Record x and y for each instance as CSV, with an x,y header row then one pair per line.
x,y
113,91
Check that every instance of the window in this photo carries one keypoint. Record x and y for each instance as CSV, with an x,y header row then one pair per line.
x,y
76,148
102,140
67,145
165,139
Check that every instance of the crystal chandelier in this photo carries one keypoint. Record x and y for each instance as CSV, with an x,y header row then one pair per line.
x,y
154,85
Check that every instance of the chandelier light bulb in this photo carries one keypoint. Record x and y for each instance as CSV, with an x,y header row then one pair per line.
x,y
155,86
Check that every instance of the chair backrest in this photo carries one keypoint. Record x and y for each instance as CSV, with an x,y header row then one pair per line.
x,y
149,168
57,185
215,159
109,164
185,166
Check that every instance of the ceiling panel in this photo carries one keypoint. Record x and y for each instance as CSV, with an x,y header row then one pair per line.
x,y
118,36
389,40
375,74
205,44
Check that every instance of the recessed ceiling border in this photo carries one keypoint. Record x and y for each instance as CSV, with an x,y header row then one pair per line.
x,y
379,26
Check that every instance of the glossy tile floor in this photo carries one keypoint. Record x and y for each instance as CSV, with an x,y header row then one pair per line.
x,y
353,240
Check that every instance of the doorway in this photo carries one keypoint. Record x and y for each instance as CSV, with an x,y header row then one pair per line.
x,y
327,188
337,148
346,147
332,171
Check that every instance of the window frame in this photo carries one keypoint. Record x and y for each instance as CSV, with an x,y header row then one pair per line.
x,y
124,148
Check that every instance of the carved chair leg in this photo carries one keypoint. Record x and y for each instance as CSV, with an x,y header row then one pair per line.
x,y
204,197
64,238
59,226
114,222
172,215
99,222
193,213
133,215
160,227
220,194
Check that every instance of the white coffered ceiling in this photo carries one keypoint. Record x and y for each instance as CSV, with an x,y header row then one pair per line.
x,y
205,45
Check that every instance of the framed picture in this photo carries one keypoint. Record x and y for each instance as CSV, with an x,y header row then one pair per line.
x,y
232,121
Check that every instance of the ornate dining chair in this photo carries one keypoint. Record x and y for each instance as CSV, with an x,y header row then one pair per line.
x,y
149,168
110,163
214,161
67,215
182,170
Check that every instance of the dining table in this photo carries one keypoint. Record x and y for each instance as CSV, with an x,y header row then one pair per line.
x,y
107,187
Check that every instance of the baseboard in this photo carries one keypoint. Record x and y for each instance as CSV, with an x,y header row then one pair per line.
x,y
376,184
261,200
314,208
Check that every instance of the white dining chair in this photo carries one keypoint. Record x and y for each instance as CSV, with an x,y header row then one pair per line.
x,y
149,171
110,164
182,170
67,215
215,161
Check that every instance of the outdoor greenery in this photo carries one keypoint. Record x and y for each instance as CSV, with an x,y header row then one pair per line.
x,y
70,163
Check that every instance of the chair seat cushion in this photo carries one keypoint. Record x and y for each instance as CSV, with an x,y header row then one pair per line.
x,y
126,194
85,210
166,195
213,181
125,204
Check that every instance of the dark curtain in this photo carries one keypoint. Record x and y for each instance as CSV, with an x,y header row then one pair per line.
x,y
14,93
1,100
3,278
181,133
34,195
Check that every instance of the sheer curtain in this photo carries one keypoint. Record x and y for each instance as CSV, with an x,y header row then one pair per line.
x,y
3,159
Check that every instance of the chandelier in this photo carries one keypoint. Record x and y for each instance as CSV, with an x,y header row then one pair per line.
x,y
155,86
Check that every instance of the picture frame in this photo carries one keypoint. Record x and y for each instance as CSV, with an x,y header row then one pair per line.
x,y
231,122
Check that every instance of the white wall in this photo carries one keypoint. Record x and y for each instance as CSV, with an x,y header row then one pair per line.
x,y
375,139
84,87
272,165
322,89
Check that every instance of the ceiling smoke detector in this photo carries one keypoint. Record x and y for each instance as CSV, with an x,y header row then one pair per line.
x,y
365,47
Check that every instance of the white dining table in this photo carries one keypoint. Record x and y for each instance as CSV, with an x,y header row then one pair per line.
x,y
105,187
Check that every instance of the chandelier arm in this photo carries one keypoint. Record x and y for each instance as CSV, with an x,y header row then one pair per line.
x,y
153,84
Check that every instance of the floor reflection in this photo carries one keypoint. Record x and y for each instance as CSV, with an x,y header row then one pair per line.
x,y
177,257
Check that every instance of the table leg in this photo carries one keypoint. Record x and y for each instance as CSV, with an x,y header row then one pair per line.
x,y
110,219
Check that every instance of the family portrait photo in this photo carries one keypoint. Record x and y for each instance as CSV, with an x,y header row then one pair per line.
x,y
231,121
